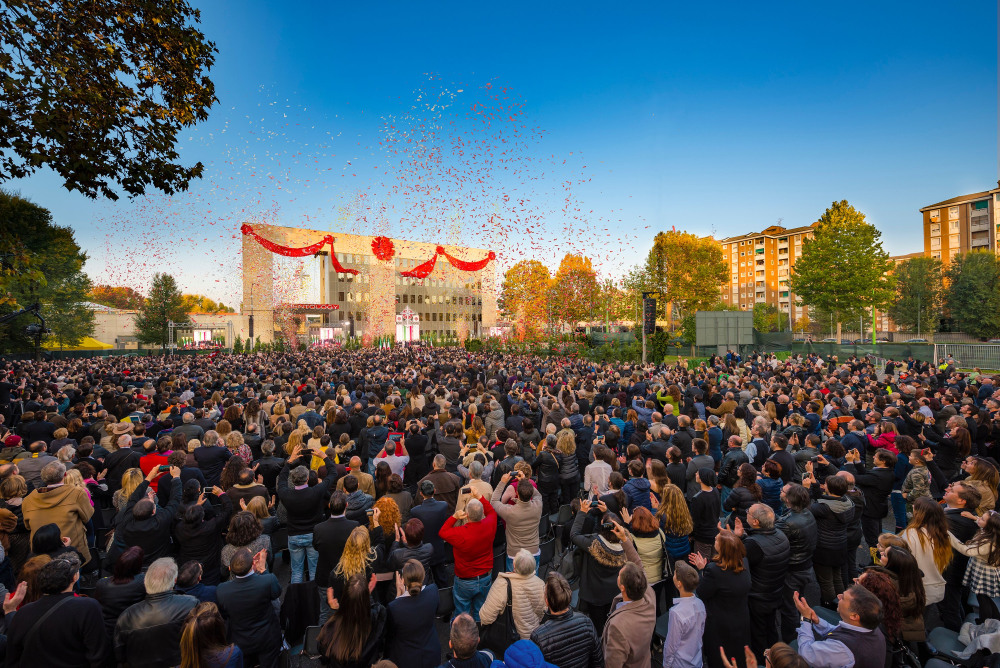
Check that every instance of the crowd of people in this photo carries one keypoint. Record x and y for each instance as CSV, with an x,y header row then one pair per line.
x,y
552,511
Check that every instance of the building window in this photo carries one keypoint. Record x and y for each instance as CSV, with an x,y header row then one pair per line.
x,y
953,213
953,226
936,215
953,241
935,243
981,205
935,229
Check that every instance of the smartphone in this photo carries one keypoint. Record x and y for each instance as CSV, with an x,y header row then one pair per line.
x,y
584,495
608,526
466,490
206,490
163,469
370,512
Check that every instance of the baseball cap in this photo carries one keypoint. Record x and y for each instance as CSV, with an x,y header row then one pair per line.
x,y
12,441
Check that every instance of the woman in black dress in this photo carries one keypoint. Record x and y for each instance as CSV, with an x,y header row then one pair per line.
x,y
725,583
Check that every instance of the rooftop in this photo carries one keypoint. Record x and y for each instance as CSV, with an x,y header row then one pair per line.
x,y
773,231
963,198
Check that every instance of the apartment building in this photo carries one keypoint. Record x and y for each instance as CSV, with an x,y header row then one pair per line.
x,y
961,224
760,267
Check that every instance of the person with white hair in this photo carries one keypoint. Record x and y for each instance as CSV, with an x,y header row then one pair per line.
x,y
473,548
527,596
148,633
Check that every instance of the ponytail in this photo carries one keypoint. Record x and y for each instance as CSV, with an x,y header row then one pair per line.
x,y
413,576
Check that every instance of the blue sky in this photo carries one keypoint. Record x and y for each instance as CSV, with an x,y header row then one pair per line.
x,y
625,119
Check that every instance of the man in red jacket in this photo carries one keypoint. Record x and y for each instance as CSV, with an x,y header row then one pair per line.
x,y
473,547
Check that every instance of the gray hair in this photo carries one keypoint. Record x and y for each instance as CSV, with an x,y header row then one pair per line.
x,y
475,510
764,515
390,447
476,470
188,418
298,476
440,461
524,563
161,575
713,420
211,438
53,473
66,453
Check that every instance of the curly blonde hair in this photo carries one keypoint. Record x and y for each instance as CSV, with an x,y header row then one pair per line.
x,y
674,512
389,515
131,479
294,441
357,556
566,444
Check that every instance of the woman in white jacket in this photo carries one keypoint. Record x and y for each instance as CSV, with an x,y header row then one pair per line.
x,y
527,596
927,538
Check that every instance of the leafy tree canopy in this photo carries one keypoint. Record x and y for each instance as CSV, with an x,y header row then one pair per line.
x,y
98,92
918,294
202,304
116,297
973,294
574,289
165,304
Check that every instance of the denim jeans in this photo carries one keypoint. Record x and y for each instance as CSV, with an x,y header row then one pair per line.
x,y
469,595
510,563
324,606
300,549
898,508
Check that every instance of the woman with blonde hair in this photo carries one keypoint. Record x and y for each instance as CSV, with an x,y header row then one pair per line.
x,y
277,412
295,440
927,538
203,640
357,559
675,520
985,478
476,429
569,466
257,507
131,479
234,441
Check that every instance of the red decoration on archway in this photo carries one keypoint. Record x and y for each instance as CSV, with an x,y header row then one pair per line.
x,y
383,249
304,251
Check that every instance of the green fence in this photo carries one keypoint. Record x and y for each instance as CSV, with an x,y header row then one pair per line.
x,y
113,352
923,352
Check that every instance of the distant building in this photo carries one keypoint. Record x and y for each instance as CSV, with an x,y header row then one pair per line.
x,y
961,224
760,265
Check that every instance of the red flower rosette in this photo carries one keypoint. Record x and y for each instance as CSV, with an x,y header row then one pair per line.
x,y
383,249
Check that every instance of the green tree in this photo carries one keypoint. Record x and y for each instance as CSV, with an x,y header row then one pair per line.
x,y
165,304
972,297
687,271
68,316
844,269
238,345
767,318
41,263
918,294
203,304
99,93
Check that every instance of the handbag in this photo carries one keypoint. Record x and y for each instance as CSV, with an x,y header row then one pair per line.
x,y
668,566
502,633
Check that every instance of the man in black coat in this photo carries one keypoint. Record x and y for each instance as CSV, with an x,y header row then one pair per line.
x,y
433,514
141,523
876,487
785,459
799,526
768,554
329,538
247,603
958,498
683,437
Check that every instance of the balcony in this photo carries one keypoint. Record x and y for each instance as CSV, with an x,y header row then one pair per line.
x,y
980,224
981,240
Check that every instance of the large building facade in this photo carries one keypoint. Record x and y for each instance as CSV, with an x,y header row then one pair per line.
x,y
760,266
962,224
375,301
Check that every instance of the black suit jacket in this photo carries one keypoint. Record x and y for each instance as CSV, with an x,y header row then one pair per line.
x,y
329,538
247,605
963,528
433,514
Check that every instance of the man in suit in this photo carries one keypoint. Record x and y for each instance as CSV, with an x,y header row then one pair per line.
x,y
247,603
329,538
433,514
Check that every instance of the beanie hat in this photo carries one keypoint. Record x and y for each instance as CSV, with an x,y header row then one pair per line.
x,y
12,441
523,654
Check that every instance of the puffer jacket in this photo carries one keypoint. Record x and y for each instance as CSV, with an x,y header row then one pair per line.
x,y
568,640
802,532
569,467
149,632
885,440
738,503
731,461
527,601
833,515
771,492
650,549
601,563
492,422
768,554
637,493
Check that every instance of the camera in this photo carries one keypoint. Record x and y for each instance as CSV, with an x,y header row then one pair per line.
x,y
608,526
163,469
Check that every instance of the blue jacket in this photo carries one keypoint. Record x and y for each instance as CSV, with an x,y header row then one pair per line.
x,y
637,494
771,488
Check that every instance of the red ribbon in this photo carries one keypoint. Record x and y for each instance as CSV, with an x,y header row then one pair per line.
x,y
465,265
422,270
304,251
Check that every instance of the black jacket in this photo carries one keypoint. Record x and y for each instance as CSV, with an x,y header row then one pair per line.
x,y
705,509
148,634
833,518
433,514
151,534
247,604
411,630
599,579
202,542
269,468
731,461
768,554
329,538
115,598
73,634
738,502
682,438
801,530
876,486
569,640
304,506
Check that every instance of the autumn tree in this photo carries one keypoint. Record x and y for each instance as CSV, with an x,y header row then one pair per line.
x,y
972,297
523,296
116,297
99,93
687,271
202,304
843,269
918,294
574,290
165,305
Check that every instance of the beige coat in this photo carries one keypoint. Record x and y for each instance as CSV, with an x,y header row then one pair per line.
x,y
366,483
629,628
67,507
528,593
